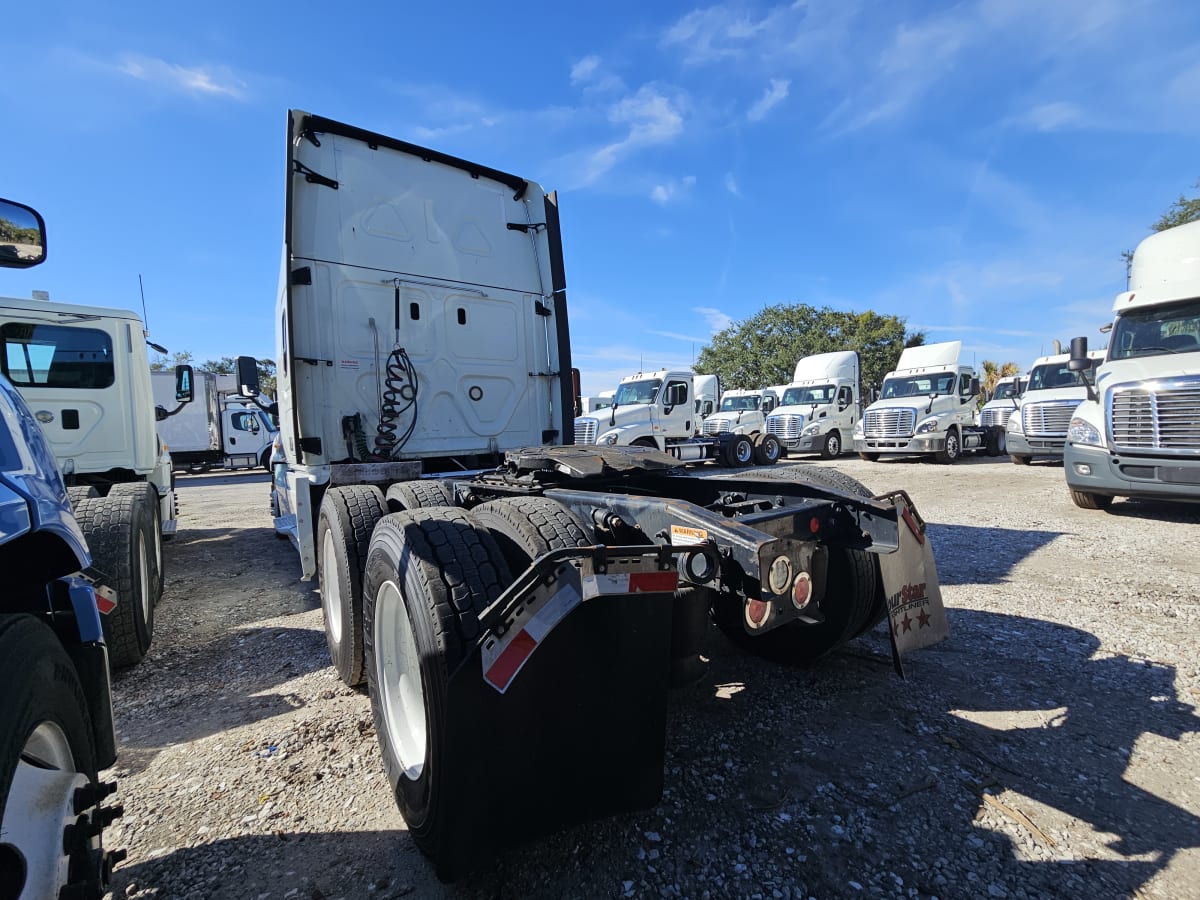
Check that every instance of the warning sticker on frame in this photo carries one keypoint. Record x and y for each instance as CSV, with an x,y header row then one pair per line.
x,y
683,536
348,363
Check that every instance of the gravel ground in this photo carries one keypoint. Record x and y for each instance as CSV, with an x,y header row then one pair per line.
x,y
1048,749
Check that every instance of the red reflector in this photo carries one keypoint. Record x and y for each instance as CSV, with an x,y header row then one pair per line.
x,y
912,525
756,611
802,590
653,582
814,524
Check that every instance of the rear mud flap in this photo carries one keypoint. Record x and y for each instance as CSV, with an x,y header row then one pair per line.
x,y
578,732
910,583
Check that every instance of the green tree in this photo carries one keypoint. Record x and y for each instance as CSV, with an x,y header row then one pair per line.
x,y
765,348
164,363
227,365
993,372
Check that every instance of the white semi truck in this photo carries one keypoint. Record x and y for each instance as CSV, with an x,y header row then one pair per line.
x,y
1038,427
926,406
218,428
994,414
740,412
822,406
655,409
518,604
1138,433
85,373
707,393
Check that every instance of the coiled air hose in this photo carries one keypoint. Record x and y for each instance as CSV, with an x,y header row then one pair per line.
x,y
399,396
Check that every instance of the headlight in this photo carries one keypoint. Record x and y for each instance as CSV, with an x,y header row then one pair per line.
x,y
814,428
1014,422
609,438
858,429
1081,431
930,424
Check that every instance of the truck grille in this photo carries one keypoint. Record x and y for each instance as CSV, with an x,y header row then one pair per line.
x,y
785,427
997,416
1162,415
717,426
1049,419
889,423
585,431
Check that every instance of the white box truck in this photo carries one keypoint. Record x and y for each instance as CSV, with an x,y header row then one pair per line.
x,y
219,428
926,406
1138,433
819,410
1038,427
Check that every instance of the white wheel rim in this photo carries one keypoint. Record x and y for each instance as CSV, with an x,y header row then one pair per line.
x,y
833,445
400,685
331,588
40,806
147,591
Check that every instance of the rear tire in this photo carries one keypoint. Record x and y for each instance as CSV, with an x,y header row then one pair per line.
x,y
120,534
767,449
144,492
741,451
1020,460
430,573
527,527
44,726
853,578
78,492
347,518
869,457
418,494
1088,500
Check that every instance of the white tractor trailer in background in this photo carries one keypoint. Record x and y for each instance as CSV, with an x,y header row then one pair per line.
x,y
819,410
518,603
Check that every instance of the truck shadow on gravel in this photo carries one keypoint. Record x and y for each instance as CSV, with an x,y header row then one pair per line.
x,y
969,554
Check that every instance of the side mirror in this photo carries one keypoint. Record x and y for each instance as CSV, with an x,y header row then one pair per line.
x,y
975,386
676,394
185,392
1079,361
22,236
247,372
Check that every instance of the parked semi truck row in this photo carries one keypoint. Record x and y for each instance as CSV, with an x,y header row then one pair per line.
x,y
1138,432
821,407
477,566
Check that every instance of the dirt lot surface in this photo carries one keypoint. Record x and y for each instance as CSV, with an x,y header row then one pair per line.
x,y
1048,748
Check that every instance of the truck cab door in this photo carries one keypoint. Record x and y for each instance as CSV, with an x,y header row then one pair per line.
x,y
242,431
676,413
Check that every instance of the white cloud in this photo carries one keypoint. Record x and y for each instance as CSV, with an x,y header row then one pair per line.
x,y
717,320
686,338
731,184
650,117
775,94
216,81
1054,116
584,69
720,33
663,194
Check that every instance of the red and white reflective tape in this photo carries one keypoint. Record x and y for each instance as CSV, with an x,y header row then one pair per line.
x,y
106,599
630,583
504,657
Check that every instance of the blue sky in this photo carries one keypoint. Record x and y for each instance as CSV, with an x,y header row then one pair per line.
x,y
974,167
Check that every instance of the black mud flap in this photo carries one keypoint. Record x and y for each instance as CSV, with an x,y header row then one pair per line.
x,y
576,732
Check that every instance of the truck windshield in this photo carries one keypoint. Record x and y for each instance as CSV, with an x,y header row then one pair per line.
x,y
637,392
918,385
738,404
1057,375
806,396
1005,391
1157,330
